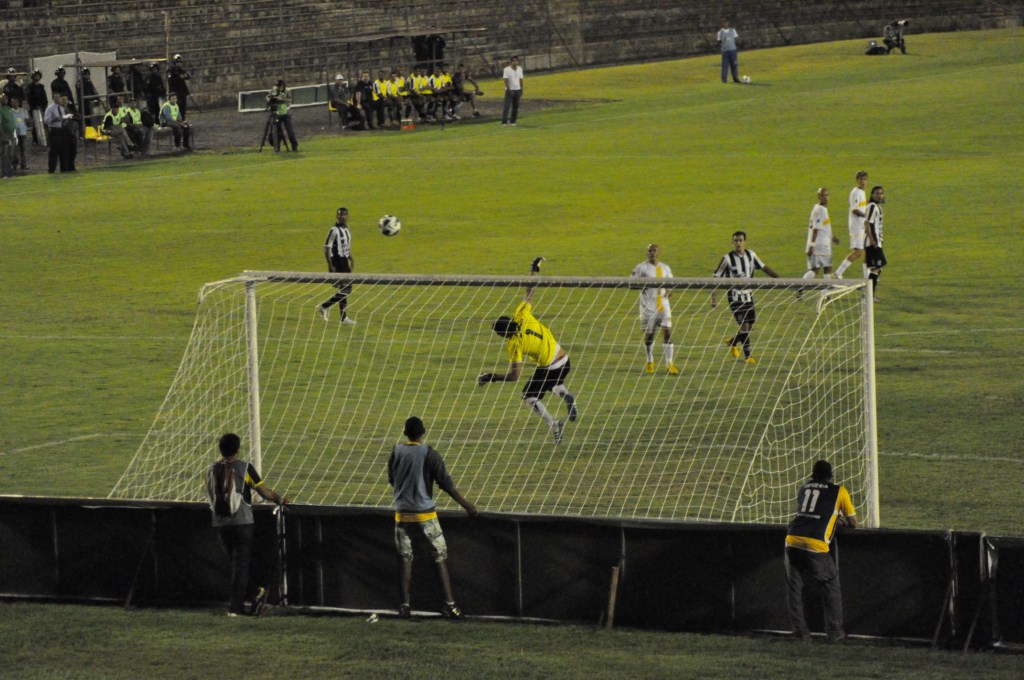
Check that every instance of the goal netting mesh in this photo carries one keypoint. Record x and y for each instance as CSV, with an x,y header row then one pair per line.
x,y
725,440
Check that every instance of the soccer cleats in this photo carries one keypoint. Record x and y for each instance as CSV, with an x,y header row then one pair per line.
x,y
450,610
751,360
349,320
556,431
322,311
574,413
649,368
735,349
404,612
671,368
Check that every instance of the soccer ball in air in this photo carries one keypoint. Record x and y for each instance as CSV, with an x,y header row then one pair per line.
x,y
390,225
746,80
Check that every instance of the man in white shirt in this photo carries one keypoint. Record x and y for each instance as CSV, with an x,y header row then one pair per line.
x,y
655,311
727,36
858,209
513,77
820,238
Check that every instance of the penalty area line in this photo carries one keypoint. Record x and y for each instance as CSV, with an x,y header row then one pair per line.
x,y
46,445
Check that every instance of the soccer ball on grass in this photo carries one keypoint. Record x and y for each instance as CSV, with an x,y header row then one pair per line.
x,y
390,225
746,80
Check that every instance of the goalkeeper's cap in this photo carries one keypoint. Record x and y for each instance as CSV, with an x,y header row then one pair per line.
x,y
414,428
504,326
822,471
229,444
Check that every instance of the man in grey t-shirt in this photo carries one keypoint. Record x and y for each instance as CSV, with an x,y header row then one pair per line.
x,y
727,36
413,469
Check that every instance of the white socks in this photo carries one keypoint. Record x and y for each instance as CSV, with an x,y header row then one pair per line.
x,y
669,351
538,407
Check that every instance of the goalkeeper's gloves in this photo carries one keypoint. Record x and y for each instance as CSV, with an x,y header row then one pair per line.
x,y
535,265
483,379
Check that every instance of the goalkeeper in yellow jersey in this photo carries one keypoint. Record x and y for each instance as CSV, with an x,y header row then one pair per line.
x,y
527,337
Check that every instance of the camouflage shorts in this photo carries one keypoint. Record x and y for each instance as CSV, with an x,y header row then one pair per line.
x,y
431,530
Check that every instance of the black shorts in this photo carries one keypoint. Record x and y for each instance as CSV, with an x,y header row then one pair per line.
x,y
341,266
544,379
743,312
875,257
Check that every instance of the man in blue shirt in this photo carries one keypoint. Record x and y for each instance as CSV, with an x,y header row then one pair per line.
x,y
413,468
727,36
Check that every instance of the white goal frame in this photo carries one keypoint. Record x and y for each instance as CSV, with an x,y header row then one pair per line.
x,y
820,293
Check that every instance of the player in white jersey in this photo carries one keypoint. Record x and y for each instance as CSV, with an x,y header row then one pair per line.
x,y
820,238
858,209
655,311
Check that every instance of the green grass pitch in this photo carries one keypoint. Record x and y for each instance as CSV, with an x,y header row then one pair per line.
x,y
100,270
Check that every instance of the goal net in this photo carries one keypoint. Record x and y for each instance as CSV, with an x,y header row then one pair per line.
x,y
319,404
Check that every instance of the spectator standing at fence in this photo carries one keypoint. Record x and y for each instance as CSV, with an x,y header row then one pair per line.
x,y
8,138
413,469
513,79
229,485
177,82
37,101
20,131
730,61
60,85
87,92
115,85
155,89
821,506
170,116
12,88
61,137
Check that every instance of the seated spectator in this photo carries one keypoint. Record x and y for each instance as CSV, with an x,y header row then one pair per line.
x,y
139,132
114,127
170,116
363,100
339,98
398,94
380,98
462,93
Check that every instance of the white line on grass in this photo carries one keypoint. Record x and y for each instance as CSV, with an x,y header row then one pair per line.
x,y
87,338
47,445
951,457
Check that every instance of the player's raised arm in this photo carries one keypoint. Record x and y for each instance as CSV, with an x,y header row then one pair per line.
x,y
534,270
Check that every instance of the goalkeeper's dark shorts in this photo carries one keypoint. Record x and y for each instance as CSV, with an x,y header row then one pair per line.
x,y
544,380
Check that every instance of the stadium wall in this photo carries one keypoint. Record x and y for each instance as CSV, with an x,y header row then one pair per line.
x,y
953,588
239,45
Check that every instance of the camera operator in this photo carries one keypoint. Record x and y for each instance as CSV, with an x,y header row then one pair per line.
x,y
893,36
279,101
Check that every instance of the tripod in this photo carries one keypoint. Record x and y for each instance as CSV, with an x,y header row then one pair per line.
x,y
272,131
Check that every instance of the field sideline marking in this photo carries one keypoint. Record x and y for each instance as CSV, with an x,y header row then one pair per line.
x,y
950,457
47,445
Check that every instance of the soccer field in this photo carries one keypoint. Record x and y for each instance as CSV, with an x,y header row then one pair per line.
x,y
100,270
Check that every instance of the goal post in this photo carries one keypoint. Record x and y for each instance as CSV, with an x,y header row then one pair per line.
x,y
319,404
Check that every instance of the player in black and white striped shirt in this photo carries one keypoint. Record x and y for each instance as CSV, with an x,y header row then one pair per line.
x,y
741,263
338,251
873,253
